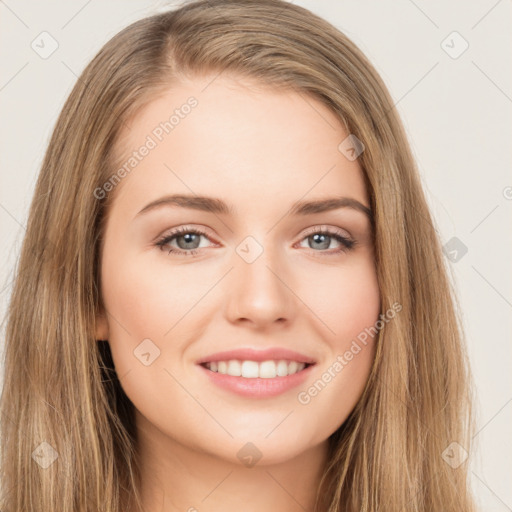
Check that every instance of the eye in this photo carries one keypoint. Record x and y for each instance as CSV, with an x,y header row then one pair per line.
x,y
187,240
321,238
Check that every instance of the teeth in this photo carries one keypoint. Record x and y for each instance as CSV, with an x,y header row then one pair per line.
x,y
250,369
234,368
253,369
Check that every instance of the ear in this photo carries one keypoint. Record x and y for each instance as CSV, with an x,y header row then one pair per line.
x,y
101,325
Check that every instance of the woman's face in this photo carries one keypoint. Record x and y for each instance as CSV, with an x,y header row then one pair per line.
x,y
238,262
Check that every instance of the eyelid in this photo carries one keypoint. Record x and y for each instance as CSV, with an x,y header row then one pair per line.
x,y
331,229
186,228
183,229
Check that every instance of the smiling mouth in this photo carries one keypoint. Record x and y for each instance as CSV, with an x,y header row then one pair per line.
x,y
255,369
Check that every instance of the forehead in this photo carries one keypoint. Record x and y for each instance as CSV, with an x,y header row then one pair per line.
x,y
239,139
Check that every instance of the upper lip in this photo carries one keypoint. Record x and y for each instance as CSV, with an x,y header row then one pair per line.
x,y
250,354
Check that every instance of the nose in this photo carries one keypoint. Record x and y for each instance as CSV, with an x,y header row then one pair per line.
x,y
259,293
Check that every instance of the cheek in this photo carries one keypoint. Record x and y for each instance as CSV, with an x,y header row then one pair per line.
x,y
345,298
146,299
136,309
148,325
348,309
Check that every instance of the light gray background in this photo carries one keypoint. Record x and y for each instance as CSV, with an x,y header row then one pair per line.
x,y
456,112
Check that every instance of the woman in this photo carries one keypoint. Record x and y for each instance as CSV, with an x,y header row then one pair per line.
x,y
231,293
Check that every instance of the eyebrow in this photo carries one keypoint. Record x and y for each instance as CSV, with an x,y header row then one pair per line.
x,y
218,206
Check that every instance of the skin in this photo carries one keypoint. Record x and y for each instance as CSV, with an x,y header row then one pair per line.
x,y
259,150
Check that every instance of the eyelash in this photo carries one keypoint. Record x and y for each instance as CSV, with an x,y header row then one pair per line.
x,y
347,243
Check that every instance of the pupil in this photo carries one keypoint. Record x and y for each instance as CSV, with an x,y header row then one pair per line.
x,y
189,239
323,239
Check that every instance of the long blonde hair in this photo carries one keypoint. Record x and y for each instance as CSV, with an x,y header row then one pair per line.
x,y
67,432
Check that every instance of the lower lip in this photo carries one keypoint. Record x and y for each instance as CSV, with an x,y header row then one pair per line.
x,y
257,387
